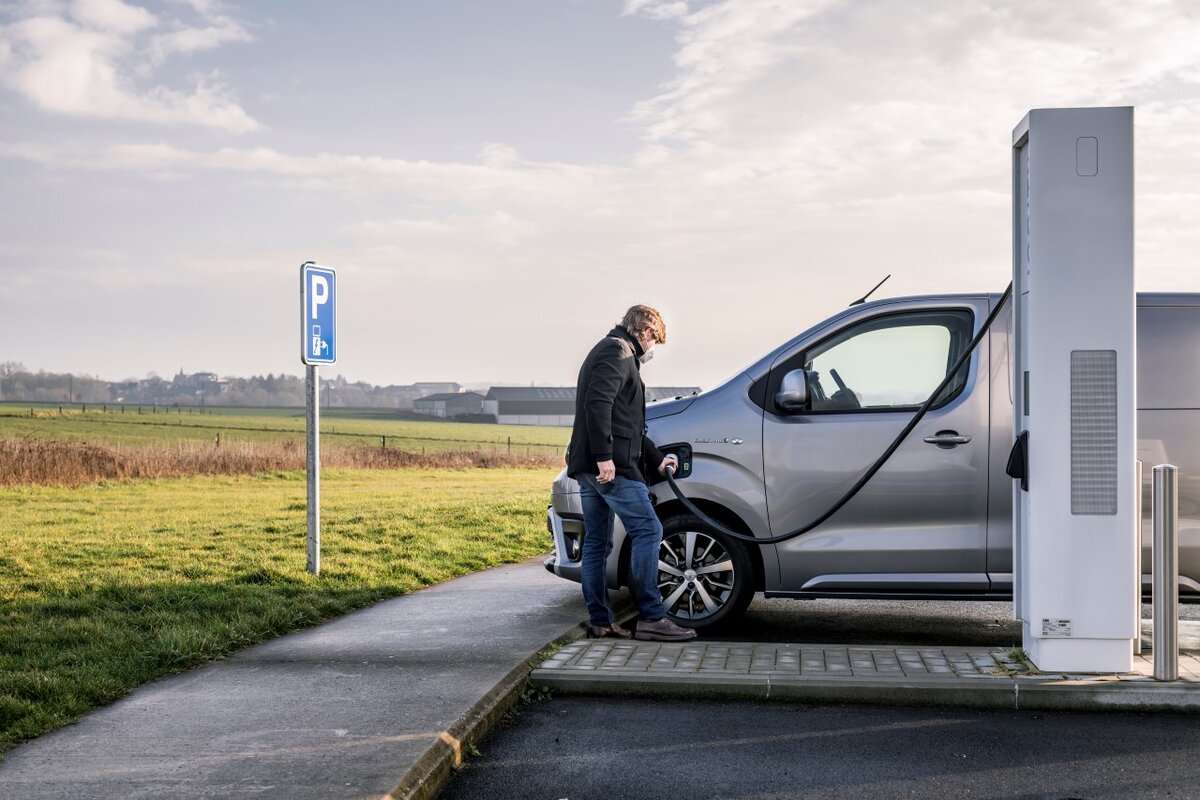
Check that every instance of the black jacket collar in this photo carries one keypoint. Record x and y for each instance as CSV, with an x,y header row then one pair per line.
x,y
621,333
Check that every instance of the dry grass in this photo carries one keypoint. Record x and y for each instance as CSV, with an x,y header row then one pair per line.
x,y
29,461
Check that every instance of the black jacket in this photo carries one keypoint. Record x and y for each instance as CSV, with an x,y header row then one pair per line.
x,y
610,411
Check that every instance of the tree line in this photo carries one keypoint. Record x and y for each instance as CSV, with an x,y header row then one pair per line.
x,y
19,384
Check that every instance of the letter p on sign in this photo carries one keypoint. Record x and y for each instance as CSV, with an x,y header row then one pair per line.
x,y
318,314
320,293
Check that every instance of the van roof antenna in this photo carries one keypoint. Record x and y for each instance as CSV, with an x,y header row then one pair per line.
x,y
863,299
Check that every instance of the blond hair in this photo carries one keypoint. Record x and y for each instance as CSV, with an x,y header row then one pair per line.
x,y
638,318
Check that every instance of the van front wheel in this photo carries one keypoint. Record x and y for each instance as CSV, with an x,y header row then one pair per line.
x,y
705,576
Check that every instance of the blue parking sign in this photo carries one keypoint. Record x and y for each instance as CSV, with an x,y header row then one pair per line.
x,y
318,314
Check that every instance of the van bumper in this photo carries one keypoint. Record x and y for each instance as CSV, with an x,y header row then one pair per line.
x,y
567,535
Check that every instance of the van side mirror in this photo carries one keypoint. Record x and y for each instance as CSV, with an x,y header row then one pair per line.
x,y
793,391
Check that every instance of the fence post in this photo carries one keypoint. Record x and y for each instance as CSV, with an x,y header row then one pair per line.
x,y
510,445
1166,573
383,443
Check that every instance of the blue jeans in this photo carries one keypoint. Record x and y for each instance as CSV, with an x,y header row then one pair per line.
x,y
629,500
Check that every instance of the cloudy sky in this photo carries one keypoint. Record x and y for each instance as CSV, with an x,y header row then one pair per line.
x,y
496,180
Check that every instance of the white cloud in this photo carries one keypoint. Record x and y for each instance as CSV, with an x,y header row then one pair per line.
x,y
656,9
499,177
84,60
218,28
112,15
497,227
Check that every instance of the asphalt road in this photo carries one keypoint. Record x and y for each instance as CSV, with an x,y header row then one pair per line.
x,y
582,748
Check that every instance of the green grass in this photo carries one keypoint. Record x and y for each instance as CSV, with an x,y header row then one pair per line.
x,y
107,586
344,426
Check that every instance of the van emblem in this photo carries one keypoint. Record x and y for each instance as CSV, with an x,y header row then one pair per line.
x,y
706,440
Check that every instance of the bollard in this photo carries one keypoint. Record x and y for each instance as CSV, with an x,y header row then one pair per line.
x,y
1166,573
1137,560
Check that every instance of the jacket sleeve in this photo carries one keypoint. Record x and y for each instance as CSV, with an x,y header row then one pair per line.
x,y
603,384
652,454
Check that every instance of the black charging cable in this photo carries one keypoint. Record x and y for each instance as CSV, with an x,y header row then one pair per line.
x,y
870,473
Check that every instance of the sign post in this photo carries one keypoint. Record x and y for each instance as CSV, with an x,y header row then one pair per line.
x,y
318,313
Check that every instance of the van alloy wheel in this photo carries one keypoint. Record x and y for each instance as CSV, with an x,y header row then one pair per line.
x,y
704,577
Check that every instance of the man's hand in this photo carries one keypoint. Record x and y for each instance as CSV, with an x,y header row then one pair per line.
x,y
672,460
608,471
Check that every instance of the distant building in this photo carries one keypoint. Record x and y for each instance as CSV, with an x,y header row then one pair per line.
x,y
545,405
530,405
449,404
427,388
196,379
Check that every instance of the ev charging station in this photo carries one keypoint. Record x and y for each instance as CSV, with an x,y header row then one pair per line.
x,y
1077,591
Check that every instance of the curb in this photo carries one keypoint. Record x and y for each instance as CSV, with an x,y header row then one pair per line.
x,y
1013,694
429,773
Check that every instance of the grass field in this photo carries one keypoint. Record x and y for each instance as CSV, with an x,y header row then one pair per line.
x,y
109,585
108,582
365,427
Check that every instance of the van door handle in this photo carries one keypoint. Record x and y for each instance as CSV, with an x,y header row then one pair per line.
x,y
947,439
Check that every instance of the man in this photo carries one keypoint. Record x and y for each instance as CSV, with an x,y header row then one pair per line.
x,y
608,456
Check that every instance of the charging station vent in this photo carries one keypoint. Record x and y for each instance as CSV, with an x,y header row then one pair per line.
x,y
1093,432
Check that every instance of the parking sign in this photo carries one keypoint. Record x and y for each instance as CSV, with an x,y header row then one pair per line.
x,y
318,314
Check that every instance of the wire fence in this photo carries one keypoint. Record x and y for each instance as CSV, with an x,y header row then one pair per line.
x,y
173,418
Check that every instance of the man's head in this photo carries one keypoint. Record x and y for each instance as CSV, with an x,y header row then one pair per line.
x,y
646,325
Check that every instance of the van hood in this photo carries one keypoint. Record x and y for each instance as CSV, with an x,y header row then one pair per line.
x,y
665,408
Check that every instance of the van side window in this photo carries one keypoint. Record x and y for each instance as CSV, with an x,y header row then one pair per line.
x,y
886,363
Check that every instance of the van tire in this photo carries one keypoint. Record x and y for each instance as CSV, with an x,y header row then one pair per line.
x,y
696,598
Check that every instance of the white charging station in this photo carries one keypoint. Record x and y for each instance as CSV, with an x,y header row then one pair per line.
x,y
1073,383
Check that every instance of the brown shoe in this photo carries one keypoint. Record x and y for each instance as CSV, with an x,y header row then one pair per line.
x,y
610,631
663,630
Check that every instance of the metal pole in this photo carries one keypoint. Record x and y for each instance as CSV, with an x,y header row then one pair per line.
x,y
1166,573
313,443
1137,559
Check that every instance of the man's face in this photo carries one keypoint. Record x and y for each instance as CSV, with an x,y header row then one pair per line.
x,y
647,339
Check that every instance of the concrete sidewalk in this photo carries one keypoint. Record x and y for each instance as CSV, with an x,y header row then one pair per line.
x,y
383,702
376,704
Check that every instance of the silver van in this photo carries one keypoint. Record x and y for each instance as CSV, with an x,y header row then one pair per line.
x,y
936,521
